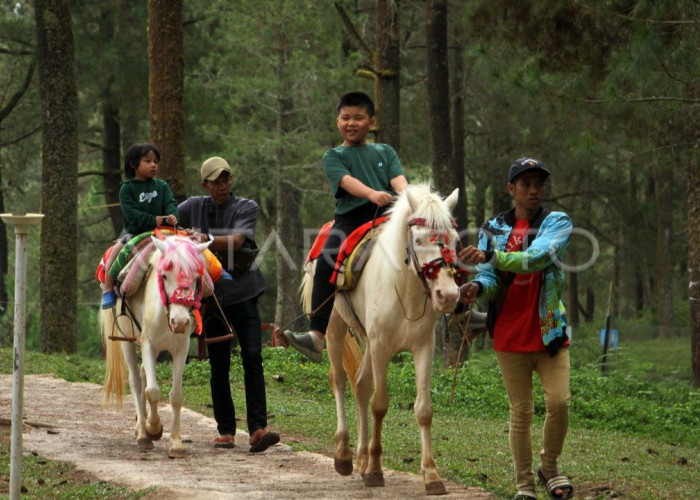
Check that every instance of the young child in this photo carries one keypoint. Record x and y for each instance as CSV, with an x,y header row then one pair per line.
x,y
146,203
364,178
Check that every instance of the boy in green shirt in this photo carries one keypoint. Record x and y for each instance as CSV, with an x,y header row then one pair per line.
x,y
364,177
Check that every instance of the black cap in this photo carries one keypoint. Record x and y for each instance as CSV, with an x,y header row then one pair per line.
x,y
524,164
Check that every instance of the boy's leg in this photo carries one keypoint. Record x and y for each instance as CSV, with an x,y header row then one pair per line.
x,y
311,343
554,374
517,369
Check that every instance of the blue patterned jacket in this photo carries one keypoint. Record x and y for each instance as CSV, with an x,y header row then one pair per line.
x,y
544,252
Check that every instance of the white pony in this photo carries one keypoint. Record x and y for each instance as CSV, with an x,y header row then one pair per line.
x,y
162,311
408,279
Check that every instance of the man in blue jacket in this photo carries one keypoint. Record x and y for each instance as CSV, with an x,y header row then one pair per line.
x,y
519,273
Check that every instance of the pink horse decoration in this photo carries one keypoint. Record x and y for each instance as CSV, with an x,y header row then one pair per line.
x,y
164,310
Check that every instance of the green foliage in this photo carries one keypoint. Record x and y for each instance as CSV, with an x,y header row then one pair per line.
x,y
636,429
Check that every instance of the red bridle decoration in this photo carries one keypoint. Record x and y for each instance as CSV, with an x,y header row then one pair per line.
x,y
448,258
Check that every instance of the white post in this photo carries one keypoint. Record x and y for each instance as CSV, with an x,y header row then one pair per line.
x,y
22,225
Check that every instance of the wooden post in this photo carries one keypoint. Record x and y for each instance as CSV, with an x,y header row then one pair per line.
x,y
22,224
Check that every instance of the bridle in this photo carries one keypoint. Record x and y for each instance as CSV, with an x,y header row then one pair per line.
x,y
184,294
428,271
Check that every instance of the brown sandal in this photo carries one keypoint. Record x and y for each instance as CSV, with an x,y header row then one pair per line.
x,y
225,441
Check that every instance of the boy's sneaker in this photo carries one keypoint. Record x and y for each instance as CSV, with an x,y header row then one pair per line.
x,y
109,299
225,275
303,343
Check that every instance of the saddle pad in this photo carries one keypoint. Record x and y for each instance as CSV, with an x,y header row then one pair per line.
x,y
348,276
351,242
320,240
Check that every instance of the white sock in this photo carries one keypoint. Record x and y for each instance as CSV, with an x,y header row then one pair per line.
x,y
317,339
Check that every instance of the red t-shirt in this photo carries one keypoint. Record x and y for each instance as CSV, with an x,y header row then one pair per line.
x,y
518,324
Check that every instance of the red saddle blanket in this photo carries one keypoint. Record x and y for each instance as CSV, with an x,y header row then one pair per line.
x,y
346,248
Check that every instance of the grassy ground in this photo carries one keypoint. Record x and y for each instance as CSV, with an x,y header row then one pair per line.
x,y
634,433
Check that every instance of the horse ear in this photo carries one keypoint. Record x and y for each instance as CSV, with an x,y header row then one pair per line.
x,y
451,201
160,244
412,200
203,246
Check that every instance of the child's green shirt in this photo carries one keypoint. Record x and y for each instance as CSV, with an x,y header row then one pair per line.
x,y
372,164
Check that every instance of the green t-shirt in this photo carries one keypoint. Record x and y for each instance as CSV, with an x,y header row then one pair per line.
x,y
372,164
142,201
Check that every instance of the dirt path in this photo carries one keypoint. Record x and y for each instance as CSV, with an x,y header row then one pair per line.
x,y
101,442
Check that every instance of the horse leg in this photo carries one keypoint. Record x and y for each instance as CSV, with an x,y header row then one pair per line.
x,y
374,476
154,427
176,449
335,336
143,442
363,389
423,357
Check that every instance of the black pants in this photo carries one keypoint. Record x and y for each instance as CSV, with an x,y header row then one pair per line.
x,y
245,319
323,290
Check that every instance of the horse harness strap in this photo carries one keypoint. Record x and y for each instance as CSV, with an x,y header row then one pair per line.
x,y
357,319
221,338
126,312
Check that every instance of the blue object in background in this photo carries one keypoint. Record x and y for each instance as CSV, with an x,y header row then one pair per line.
x,y
613,341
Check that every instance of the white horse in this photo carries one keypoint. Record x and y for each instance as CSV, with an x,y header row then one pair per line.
x,y
162,320
409,278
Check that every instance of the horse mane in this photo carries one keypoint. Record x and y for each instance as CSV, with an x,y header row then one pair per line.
x,y
430,207
182,255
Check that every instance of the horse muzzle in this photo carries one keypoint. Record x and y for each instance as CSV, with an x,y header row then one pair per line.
x,y
445,296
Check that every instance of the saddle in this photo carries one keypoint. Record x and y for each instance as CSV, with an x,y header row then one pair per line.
x,y
131,263
353,254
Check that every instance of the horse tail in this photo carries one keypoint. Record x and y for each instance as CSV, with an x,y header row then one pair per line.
x,y
115,368
352,356
306,286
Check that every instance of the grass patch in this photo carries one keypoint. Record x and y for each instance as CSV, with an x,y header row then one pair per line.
x,y
634,432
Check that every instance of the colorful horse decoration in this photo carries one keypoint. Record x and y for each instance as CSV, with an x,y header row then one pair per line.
x,y
409,278
162,318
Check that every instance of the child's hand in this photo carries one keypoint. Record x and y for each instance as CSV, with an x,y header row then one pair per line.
x,y
172,220
380,198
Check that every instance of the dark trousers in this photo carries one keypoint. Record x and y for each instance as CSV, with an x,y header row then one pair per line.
x,y
324,290
245,319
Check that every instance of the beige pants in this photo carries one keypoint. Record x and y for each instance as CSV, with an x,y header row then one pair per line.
x,y
517,369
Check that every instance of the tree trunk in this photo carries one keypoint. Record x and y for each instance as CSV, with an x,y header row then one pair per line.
x,y
437,80
693,208
692,186
458,131
59,182
111,164
572,307
387,65
166,90
3,252
289,230
4,113
664,248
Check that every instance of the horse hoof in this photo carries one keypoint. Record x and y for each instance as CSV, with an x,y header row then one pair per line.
x,y
343,466
435,488
176,453
157,435
144,444
372,479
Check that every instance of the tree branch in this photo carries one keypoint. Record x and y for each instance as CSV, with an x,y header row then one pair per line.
x,y
352,31
20,138
4,112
